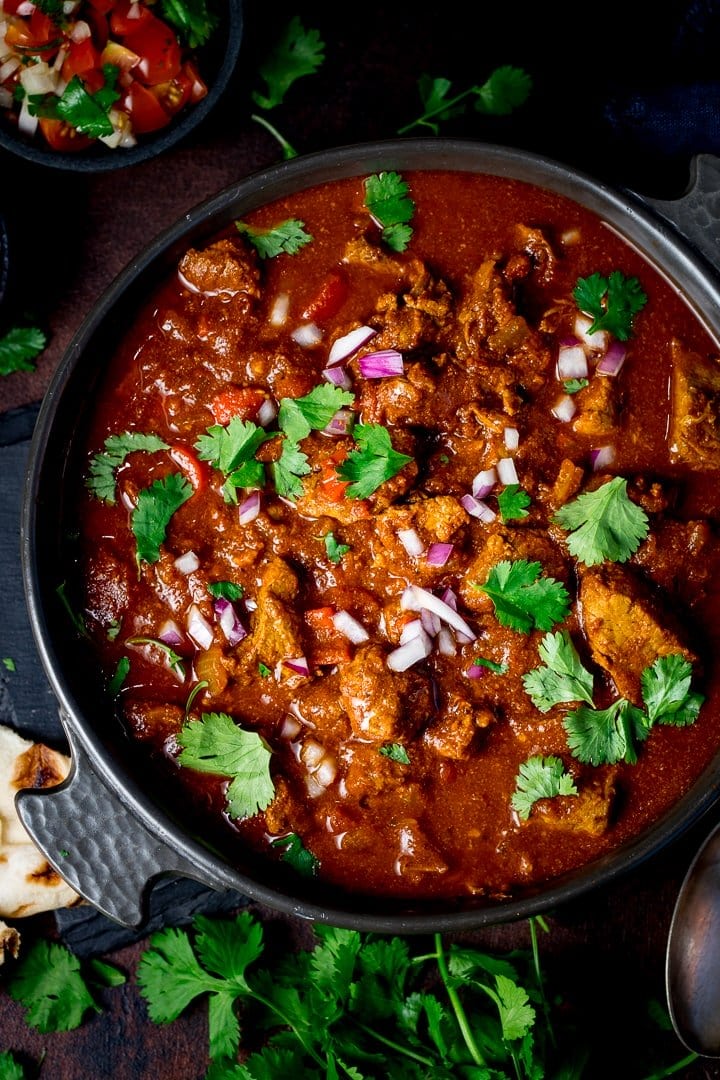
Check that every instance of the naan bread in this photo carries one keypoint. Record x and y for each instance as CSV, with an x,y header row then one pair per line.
x,y
28,884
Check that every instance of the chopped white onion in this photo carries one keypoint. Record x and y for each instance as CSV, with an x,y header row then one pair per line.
x,y
411,541
134,11
38,79
25,8
10,65
27,124
412,630
348,344
564,409
80,31
311,753
267,412
477,508
291,727
571,362
349,627
410,653
415,598
307,335
249,508
507,473
511,436
446,642
484,482
198,628
187,563
326,772
279,310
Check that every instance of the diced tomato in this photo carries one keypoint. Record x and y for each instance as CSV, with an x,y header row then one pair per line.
x,y
321,619
329,298
242,401
42,28
197,471
119,56
198,86
159,51
82,56
10,6
173,95
127,17
145,111
62,136
38,34
98,23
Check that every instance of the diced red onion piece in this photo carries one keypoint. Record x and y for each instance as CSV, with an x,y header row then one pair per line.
x,y
187,563
298,664
170,633
478,508
134,11
415,598
414,650
338,376
279,310
475,671
604,455
80,31
564,409
249,508
463,639
484,482
349,627
229,620
446,642
410,630
595,341
448,597
568,340
613,359
507,473
571,362
340,423
411,541
198,628
307,335
430,622
438,554
348,344
381,365
511,438
24,9
267,412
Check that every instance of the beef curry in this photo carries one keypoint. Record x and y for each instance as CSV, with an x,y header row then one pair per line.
x,y
398,536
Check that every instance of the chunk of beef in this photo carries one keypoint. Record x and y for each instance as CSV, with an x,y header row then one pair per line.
x,y
695,417
567,484
626,625
418,317
598,407
153,721
436,520
417,856
538,247
403,400
224,267
453,733
382,705
682,557
501,543
276,632
589,811
107,592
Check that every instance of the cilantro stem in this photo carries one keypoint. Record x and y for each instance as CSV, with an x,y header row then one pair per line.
x,y
533,923
323,1063
441,108
288,150
671,1069
395,1046
454,997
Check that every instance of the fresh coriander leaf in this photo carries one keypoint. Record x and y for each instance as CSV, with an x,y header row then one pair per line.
x,y
603,524
114,629
8,663
18,347
297,417
297,855
103,465
611,302
436,104
388,200
573,386
216,744
371,465
606,736
88,113
10,1069
517,1015
173,659
524,599
169,975
231,449
396,752
286,472
287,237
52,8
264,671
192,18
225,590
491,665
540,778
506,88
666,691
49,983
153,511
297,52
121,673
562,678
512,502
334,550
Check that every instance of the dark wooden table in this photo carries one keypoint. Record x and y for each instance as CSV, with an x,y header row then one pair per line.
x,y
626,103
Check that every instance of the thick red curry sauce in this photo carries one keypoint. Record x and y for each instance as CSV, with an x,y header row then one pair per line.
x,y
400,780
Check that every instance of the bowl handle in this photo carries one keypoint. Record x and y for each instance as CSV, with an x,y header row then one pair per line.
x,y
697,213
97,844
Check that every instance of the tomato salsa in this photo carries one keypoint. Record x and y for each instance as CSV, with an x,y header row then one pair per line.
x,y
91,71
398,536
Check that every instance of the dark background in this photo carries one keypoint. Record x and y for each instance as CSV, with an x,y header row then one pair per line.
x,y
625,92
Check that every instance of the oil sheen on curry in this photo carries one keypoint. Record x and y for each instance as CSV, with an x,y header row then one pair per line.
x,y
399,537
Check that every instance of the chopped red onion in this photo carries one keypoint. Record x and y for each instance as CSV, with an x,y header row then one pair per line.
x,y
348,344
484,482
279,310
187,563
338,376
198,628
507,473
511,437
568,340
291,727
170,633
307,335
564,409
415,598
267,412
249,508
613,359
341,423
430,622
412,630
463,639
438,554
80,31
571,362
411,541
604,455
478,508
417,648
229,620
475,671
446,642
298,664
25,8
381,365
595,341
448,597
349,627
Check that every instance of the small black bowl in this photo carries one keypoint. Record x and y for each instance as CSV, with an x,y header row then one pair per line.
x,y
217,62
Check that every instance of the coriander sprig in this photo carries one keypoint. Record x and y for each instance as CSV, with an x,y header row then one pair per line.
x,y
504,90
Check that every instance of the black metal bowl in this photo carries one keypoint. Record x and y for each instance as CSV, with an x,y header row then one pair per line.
x,y
107,830
217,60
